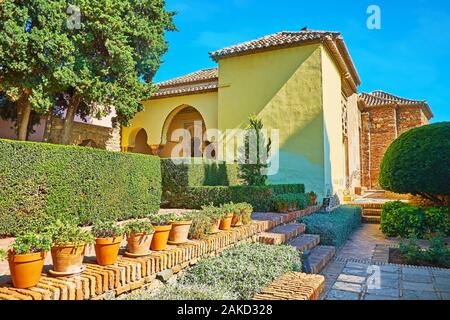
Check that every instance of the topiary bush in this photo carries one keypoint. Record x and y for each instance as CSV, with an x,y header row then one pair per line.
x,y
400,219
41,180
418,162
245,269
334,228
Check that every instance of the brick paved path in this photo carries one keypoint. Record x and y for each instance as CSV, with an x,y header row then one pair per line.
x,y
353,276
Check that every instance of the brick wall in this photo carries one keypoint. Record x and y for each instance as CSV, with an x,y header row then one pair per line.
x,y
380,127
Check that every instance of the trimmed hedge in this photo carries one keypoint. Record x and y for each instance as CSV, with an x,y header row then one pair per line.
x,y
196,197
39,180
403,220
209,173
334,228
245,269
192,186
418,162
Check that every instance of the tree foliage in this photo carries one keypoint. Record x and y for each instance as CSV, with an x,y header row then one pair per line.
x,y
418,162
109,59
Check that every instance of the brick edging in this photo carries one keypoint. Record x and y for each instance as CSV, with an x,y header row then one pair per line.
x,y
130,274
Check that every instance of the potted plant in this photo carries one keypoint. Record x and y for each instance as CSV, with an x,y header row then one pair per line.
x,y
281,203
313,198
161,223
215,216
236,221
108,236
26,258
227,216
139,237
180,229
69,243
246,212
201,225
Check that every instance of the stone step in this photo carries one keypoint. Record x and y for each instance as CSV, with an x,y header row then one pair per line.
x,y
371,219
372,212
294,286
305,242
320,256
377,205
282,234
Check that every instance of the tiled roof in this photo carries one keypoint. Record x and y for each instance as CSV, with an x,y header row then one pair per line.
x,y
205,80
284,38
380,98
290,39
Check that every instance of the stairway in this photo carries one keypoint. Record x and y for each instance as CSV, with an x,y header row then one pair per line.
x,y
294,234
371,212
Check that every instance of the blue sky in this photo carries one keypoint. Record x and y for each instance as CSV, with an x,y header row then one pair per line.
x,y
409,56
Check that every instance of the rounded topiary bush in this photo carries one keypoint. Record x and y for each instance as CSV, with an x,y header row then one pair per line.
x,y
418,162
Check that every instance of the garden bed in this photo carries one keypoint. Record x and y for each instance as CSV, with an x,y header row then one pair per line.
x,y
397,257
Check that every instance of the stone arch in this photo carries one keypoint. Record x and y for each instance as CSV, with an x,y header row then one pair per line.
x,y
140,144
182,117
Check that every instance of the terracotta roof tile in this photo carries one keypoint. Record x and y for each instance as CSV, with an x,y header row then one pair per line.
x,y
205,80
290,39
284,38
380,98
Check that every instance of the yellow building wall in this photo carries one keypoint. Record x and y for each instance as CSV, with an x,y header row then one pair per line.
x,y
283,88
156,112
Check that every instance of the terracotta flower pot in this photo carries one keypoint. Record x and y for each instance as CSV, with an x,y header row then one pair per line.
x,y
179,232
107,250
139,243
225,223
26,269
68,258
215,224
236,221
160,237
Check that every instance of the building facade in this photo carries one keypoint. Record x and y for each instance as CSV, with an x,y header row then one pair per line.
x,y
303,84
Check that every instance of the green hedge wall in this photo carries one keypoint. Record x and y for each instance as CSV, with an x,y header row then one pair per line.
x,y
192,185
195,197
40,179
208,173
334,228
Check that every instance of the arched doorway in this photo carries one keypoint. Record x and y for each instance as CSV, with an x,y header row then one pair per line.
x,y
140,144
185,118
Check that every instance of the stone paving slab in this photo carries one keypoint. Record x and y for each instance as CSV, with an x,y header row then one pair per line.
x,y
386,282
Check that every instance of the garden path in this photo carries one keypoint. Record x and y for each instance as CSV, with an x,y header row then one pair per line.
x,y
354,274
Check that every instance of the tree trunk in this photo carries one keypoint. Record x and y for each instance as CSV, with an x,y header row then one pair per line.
x,y
48,126
23,117
68,122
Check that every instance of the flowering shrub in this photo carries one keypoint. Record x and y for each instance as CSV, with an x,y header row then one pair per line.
x,y
245,269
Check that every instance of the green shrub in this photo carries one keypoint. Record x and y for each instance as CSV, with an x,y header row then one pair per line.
x,y
289,201
334,228
30,242
399,219
179,291
107,229
3,255
64,233
196,197
40,180
162,219
139,226
245,269
201,225
437,254
418,162
176,178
